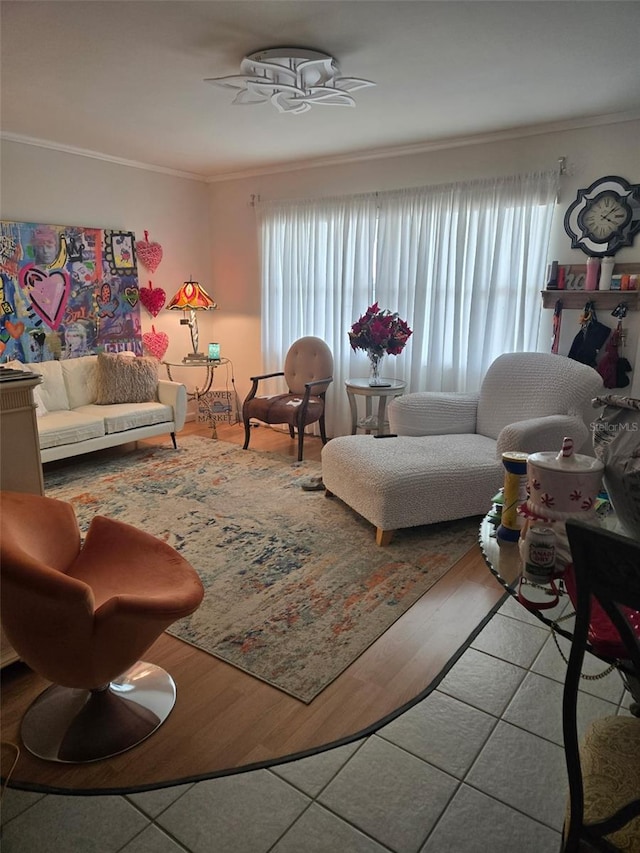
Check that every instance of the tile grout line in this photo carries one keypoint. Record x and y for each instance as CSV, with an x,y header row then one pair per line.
x,y
152,822
314,801
617,705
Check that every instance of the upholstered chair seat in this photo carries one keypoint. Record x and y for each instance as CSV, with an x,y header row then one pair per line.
x,y
283,409
610,762
603,767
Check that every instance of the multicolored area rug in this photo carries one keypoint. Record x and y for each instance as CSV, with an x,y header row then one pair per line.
x,y
296,588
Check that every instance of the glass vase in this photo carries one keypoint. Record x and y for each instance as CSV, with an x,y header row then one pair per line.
x,y
375,362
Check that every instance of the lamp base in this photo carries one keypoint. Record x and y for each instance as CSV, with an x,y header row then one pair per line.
x,y
195,356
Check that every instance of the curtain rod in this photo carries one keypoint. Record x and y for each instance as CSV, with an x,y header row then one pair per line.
x,y
255,199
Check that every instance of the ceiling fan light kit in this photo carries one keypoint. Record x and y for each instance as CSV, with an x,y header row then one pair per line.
x,y
293,78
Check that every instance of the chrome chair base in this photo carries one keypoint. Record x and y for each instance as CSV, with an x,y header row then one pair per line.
x,y
76,726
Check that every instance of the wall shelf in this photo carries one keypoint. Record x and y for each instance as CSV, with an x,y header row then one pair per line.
x,y
603,298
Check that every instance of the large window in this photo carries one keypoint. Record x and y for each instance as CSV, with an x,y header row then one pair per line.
x,y
463,264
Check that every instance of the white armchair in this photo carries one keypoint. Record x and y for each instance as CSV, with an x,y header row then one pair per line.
x,y
446,461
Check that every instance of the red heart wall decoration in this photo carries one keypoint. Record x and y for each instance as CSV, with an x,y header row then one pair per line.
x,y
153,300
156,342
149,253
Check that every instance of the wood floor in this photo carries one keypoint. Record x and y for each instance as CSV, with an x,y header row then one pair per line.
x,y
225,720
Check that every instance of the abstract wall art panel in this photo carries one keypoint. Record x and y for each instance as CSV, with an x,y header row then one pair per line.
x,y
67,291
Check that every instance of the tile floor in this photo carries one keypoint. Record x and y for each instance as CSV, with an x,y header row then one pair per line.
x,y
477,766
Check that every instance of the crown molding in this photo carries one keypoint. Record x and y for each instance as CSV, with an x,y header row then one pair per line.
x,y
339,160
97,155
436,145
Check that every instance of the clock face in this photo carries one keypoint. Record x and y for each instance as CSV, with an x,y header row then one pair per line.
x,y
604,217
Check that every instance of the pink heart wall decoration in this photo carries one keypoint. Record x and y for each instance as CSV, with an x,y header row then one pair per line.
x,y
153,299
156,343
149,253
48,291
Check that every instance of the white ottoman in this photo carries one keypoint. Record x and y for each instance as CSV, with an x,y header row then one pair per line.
x,y
406,481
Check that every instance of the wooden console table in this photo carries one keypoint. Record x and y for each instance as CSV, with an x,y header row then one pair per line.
x,y
20,465
21,468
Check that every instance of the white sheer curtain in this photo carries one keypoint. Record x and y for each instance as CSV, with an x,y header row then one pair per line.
x,y
462,263
317,274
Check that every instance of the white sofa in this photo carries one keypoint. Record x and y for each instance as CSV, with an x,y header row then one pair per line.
x,y
446,461
70,422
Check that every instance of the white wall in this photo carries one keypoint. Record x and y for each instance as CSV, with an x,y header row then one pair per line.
x,y
41,185
209,232
591,153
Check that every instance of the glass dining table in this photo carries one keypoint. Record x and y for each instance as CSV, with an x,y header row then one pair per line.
x,y
550,602
505,563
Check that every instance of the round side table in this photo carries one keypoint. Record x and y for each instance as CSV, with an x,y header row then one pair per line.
x,y
361,388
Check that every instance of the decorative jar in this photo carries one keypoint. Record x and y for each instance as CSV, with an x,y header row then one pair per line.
x,y
564,484
560,486
514,493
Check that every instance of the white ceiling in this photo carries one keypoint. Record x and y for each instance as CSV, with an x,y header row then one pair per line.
x,y
125,79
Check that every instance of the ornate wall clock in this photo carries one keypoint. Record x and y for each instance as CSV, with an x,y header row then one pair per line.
x,y
604,217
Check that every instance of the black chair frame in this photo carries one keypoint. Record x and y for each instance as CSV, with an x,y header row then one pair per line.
x,y
607,571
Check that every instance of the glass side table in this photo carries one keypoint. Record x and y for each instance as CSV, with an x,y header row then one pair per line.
x,y
371,422
209,366
505,563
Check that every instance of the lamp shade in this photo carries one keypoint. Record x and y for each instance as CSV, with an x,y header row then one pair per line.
x,y
192,297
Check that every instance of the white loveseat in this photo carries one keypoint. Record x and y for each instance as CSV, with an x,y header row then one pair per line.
x,y
70,422
446,461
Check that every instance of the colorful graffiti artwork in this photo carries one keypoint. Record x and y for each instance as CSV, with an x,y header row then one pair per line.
x,y
66,292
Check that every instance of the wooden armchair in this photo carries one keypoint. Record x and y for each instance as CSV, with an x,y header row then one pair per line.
x,y
308,370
